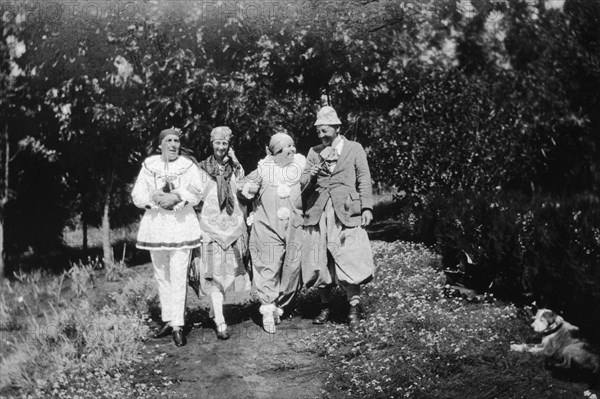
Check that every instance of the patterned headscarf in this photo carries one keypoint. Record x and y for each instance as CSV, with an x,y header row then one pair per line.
x,y
220,133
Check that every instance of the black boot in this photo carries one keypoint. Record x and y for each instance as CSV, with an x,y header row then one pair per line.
x,y
323,316
178,337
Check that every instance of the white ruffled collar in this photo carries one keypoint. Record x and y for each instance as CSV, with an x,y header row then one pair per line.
x,y
156,165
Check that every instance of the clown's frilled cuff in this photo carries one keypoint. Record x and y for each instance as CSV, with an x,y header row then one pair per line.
x,y
267,309
246,191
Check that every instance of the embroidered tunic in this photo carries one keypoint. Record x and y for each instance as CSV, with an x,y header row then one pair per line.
x,y
217,225
219,264
162,229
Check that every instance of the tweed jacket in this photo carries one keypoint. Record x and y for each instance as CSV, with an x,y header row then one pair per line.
x,y
348,186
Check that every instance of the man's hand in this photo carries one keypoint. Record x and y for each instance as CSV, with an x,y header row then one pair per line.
x,y
319,170
179,206
367,217
166,200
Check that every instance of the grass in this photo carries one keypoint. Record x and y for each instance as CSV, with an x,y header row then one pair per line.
x,y
418,343
57,343
415,341
74,237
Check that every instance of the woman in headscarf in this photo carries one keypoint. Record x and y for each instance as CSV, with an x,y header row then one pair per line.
x,y
167,187
220,267
276,233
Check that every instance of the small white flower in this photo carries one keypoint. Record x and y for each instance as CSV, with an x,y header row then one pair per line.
x,y
15,70
283,213
20,49
283,191
250,219
65,109
20,299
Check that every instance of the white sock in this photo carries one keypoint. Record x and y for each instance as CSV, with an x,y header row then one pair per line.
x,y
267,310
217,307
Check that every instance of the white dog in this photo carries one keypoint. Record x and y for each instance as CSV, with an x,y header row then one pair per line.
x,y
558,342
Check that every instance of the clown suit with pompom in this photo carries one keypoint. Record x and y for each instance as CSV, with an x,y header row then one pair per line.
x,y
275,238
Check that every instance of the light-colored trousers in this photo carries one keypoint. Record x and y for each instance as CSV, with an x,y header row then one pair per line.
x,y
333,253
276,262
170,270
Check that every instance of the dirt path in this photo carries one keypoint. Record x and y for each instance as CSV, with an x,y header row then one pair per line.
x,y
250,364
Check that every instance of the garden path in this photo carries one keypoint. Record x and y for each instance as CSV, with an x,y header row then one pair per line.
x,y
250,364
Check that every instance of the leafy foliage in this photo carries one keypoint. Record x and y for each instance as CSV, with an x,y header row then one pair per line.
x,y
478,102
417,343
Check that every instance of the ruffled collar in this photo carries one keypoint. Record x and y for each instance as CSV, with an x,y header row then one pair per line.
x,y
157,166
276,175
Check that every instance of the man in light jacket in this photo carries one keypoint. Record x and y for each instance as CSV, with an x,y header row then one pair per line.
x,y
338,205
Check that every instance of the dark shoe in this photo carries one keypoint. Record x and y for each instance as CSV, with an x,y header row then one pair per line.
x,y
354,317
178,337
163,332
322,317
222,332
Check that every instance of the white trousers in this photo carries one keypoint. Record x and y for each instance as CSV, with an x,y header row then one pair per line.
x,y
170,270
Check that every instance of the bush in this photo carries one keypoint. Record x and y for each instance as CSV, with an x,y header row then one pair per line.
x,y
415,342
413,338
540,249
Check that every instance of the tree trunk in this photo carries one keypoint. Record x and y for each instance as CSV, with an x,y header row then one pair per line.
x,y
84,228
4,200
1,239
106,247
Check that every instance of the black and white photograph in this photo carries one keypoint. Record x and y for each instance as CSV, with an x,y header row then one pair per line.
x,y
300,199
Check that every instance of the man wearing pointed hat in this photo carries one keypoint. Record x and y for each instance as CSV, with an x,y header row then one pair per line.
x,y
339,203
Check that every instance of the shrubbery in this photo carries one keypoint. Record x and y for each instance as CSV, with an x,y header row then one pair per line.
x,y
499,157
418,343
541,249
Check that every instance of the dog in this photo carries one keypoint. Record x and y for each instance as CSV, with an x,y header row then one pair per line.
x,y
559,343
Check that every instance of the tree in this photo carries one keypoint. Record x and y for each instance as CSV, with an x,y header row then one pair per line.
x,y
11,48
